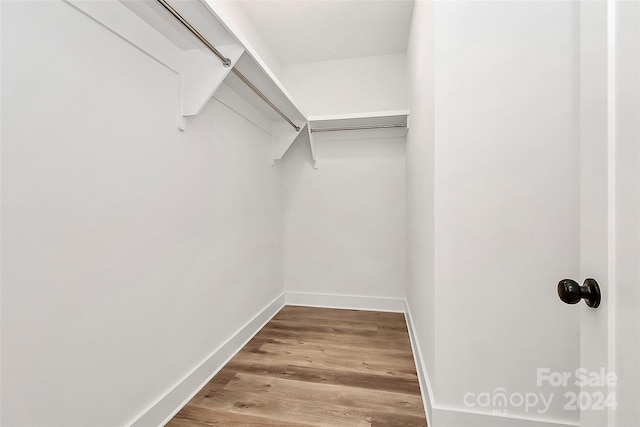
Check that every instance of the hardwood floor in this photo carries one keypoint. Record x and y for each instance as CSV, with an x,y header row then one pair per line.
x,y
315,367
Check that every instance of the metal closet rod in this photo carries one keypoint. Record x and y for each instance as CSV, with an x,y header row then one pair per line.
x,y
226,61
364,127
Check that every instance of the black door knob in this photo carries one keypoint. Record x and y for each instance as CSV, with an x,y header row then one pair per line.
x,y
571,292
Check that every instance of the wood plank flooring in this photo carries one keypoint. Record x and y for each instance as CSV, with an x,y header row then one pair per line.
x,y
315,367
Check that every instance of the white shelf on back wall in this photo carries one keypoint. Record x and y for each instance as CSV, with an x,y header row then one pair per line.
x,y
380,124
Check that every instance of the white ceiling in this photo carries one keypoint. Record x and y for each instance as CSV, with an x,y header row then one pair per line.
x,y
319,30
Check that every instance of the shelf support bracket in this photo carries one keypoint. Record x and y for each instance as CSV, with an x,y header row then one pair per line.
x,y
283,136
313,143
201,75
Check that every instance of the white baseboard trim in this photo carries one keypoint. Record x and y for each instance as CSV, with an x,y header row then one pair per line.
x,y
353,302
423,377
162,410
463,417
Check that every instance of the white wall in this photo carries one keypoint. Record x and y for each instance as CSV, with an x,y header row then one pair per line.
x,y
420,186
344,222
505,198
355,85
130,251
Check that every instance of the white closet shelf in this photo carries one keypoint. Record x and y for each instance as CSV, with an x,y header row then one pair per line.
x,y
360,115
379,124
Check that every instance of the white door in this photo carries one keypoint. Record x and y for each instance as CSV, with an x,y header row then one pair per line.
x,y
610,213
